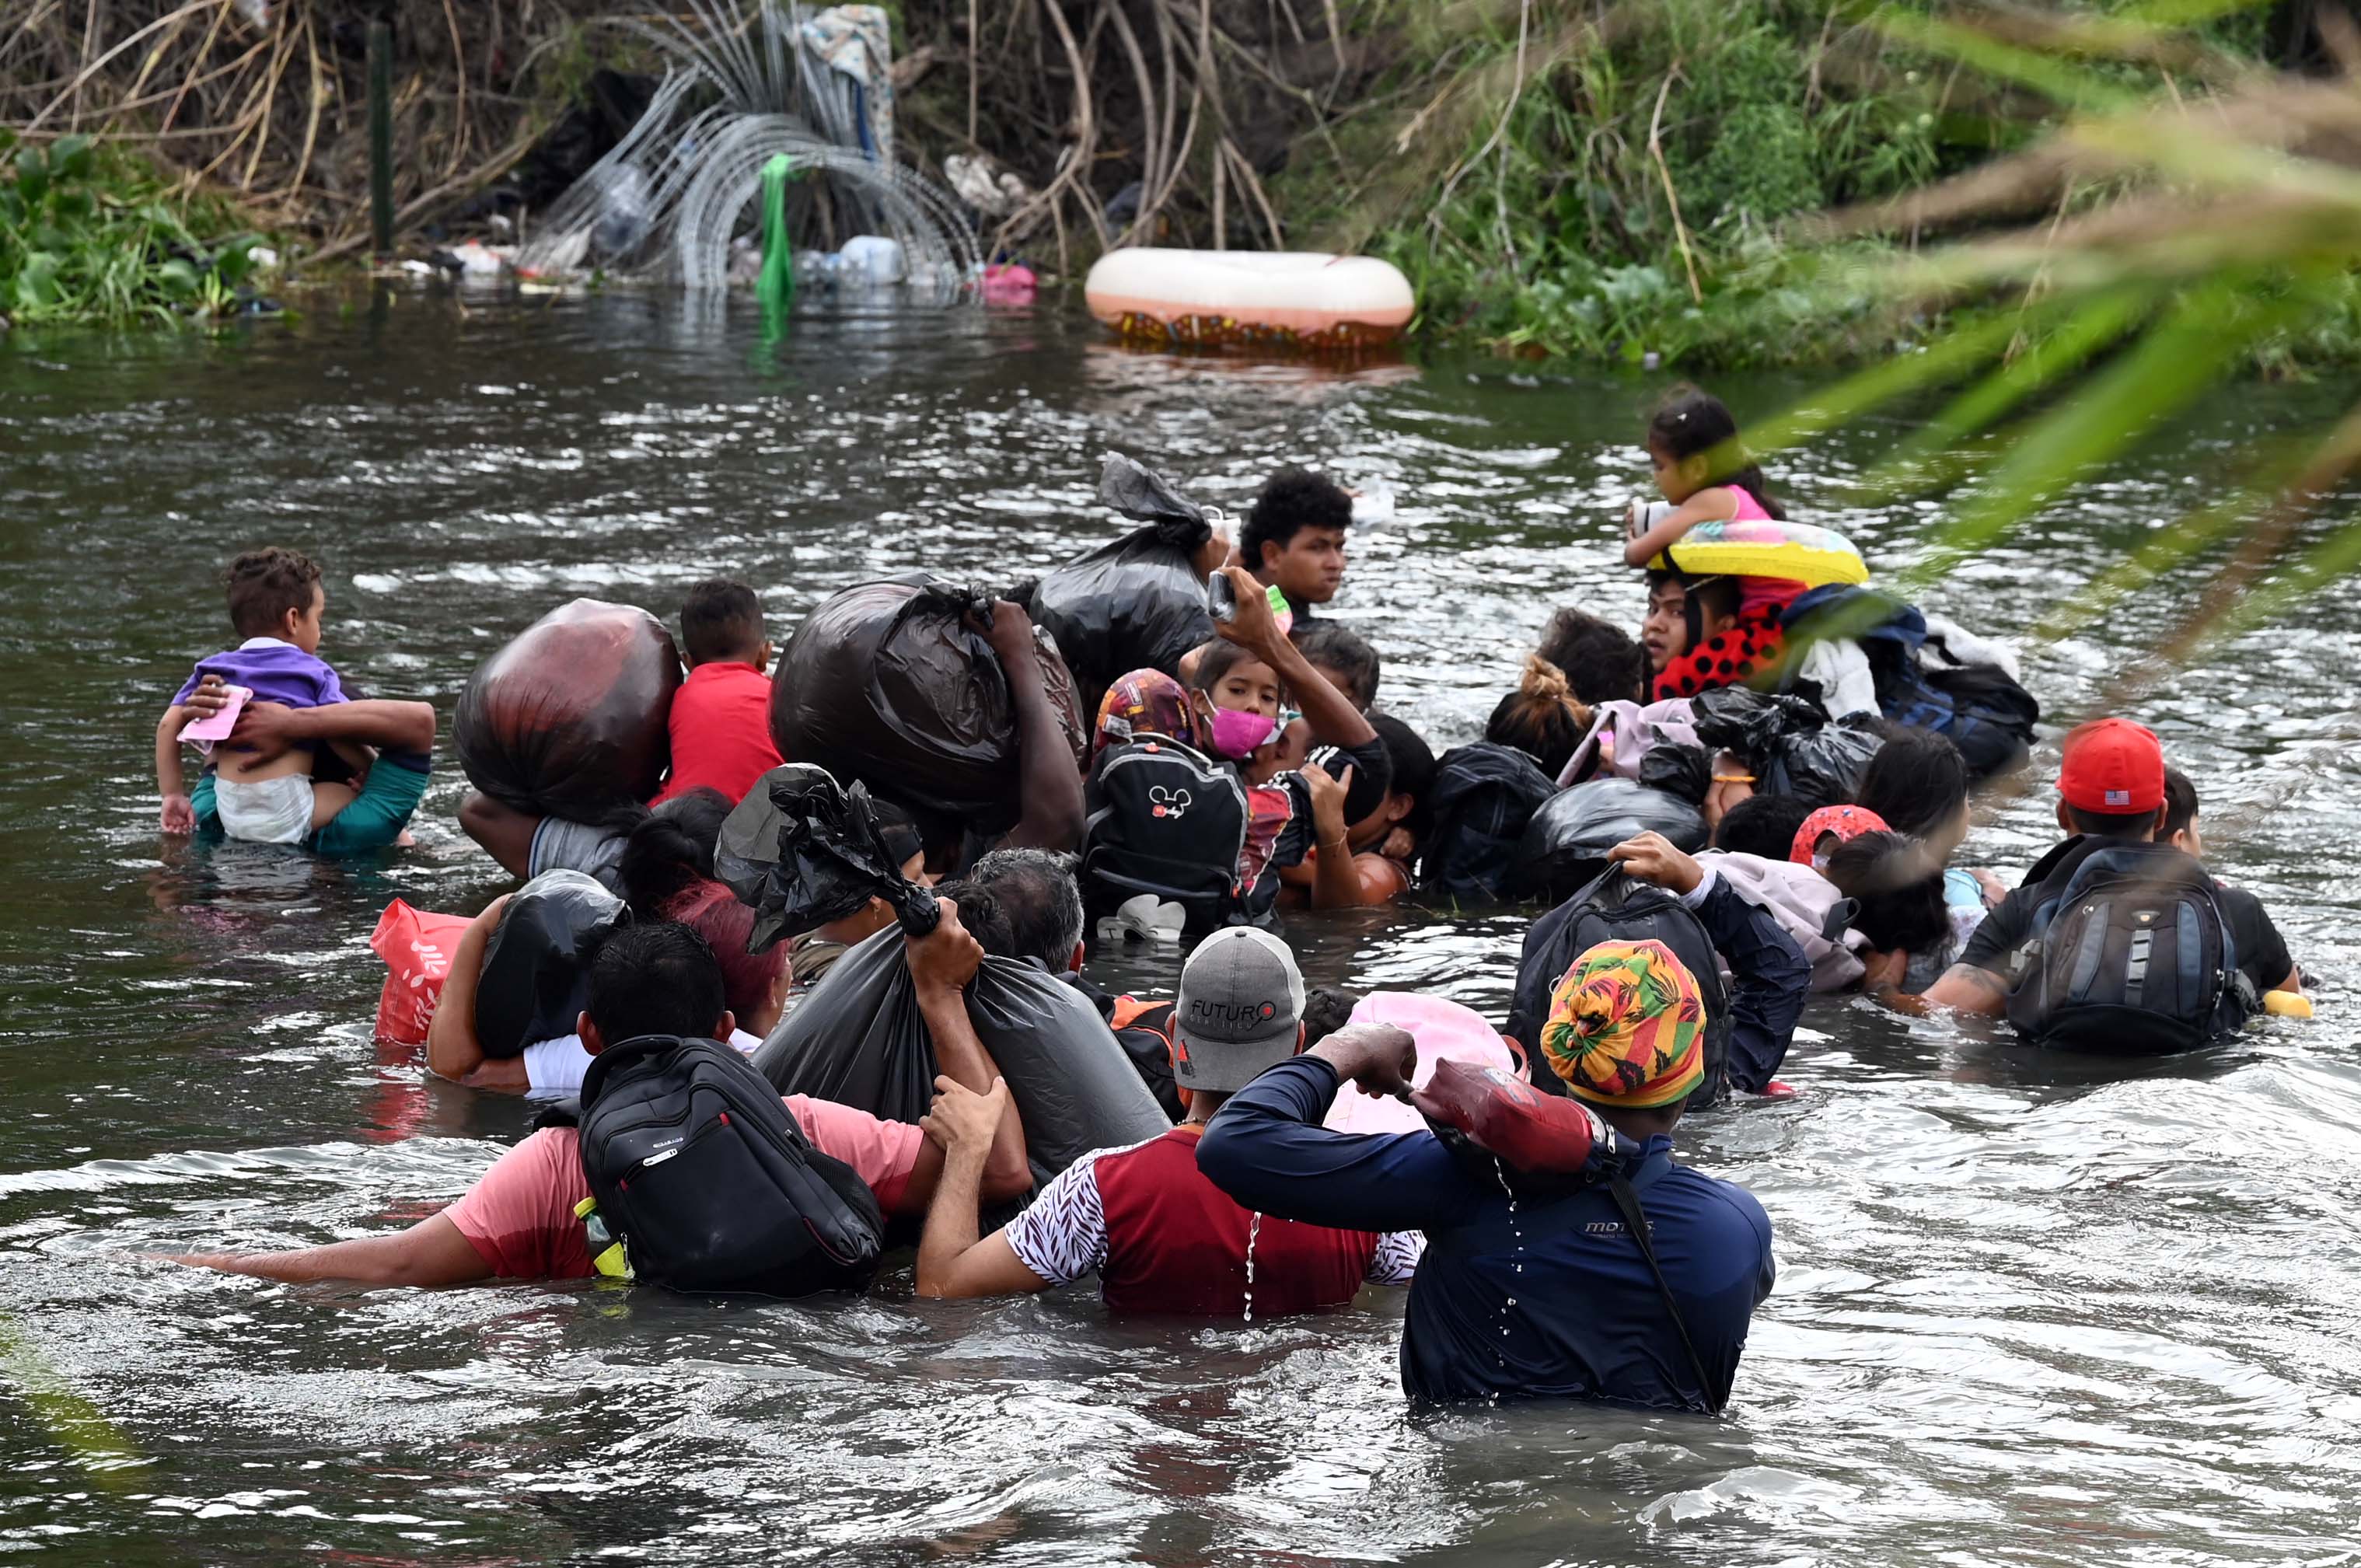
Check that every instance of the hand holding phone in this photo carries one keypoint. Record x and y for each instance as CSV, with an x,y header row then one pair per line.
x,y
1221,598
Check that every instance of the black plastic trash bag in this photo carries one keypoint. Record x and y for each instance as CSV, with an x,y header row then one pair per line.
x,y
804,852
1683,772
1824,767
1788,744
1483,796
891,685
859,1039
536,977
1565,844
1138,603
569,720
1746,722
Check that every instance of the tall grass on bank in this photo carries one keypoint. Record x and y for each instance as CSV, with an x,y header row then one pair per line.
x,y
1608,178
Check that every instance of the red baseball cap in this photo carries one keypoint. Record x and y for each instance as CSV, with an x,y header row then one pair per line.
x,y
2113,766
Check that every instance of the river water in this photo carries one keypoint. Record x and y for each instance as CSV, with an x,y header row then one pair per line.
x,y
2027,1312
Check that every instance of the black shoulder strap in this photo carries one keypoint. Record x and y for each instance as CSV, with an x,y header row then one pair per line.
x,y
1636,1224
565,1113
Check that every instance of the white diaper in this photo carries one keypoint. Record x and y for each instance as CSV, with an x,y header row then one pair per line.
x,y
266,811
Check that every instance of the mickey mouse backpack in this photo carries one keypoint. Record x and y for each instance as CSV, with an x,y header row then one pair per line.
x,y
1165,819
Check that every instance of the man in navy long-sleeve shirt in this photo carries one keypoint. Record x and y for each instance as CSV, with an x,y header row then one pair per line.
x,y
1514,1297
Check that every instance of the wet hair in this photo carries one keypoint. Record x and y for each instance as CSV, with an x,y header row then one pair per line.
x,y
1916,782
2180,803
264,585
984,917
1602,661
1217,659
1036,892
1333,645
1762,825
1291,500
1413,767
1898,885
670,850
2126,825
719,619
1689,423
1540,717
1327,1009
656,978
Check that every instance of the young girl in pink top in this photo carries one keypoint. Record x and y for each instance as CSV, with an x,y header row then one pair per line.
x,y
1703,470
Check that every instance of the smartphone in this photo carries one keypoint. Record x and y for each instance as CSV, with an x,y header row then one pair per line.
x,y
1221,598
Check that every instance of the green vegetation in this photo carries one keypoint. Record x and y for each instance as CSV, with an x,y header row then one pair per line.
x,y
1570,178
2225,231
1563,177
89,235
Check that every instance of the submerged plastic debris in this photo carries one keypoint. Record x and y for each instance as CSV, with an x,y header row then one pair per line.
x,y
682,183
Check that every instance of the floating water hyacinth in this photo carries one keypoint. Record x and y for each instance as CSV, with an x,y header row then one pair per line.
x,y
682,183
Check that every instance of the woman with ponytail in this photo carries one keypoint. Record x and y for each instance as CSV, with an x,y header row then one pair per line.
x,y
1542,718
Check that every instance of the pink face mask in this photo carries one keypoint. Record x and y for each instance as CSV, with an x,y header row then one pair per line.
x,y
1238,731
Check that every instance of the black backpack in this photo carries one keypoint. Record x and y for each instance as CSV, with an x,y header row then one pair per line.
x,y
1615,908
1482,796
1165,821
2129,955
701,1173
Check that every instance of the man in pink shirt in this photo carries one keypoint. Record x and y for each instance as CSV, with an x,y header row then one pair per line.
x,y
519,1220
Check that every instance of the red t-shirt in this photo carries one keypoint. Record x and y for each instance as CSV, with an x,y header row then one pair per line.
x,y
519,1217
720,731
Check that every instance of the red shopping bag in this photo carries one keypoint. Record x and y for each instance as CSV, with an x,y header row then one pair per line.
x,y
417,949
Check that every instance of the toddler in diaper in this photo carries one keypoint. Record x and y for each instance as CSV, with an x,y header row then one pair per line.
x,y
276,603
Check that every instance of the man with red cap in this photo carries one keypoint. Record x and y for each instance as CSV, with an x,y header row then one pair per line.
x,y
2111,798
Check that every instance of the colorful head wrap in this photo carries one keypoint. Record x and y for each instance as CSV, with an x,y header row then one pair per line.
x,y
1145,702
1847,822
1627,1027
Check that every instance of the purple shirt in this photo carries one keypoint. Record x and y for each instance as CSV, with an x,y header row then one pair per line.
x,y
274,671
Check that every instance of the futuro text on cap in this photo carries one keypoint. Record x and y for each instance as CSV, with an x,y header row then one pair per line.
x,y
1240,1010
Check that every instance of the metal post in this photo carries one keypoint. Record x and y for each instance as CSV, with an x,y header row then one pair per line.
x,y
381,131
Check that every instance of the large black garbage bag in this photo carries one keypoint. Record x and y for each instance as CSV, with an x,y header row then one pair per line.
x,y
1565,844
859,1039
1824,767
890,685
1138,603
1788,744
536,977
569,720
1483,796
1683,772
803,852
